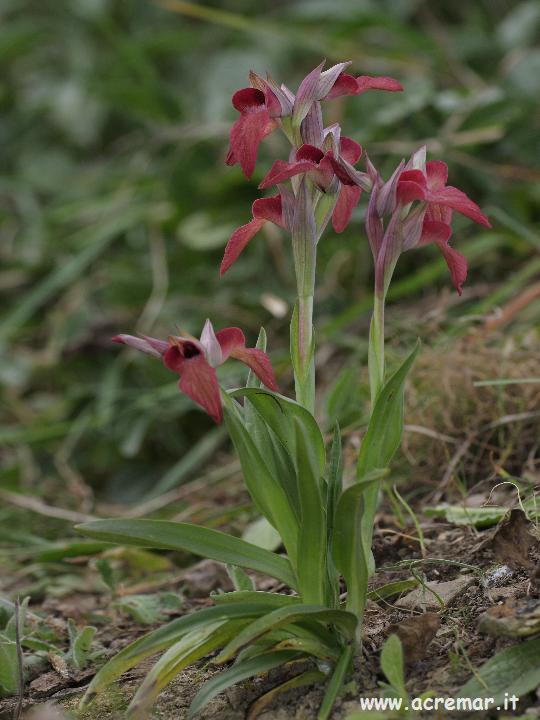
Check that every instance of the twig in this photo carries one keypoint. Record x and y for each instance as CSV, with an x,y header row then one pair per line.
x,y
421,430
38,506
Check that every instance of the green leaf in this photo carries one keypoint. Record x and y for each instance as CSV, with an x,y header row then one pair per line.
x,y
198,540
335,683
392,664
385,427
379,444
192,647
273,600
334,487
479,517
239,578
148,609
280,412
515,670
393,588
285,616
238,672
350,554
265,489
80,644
164,637
9,674
262,534
312,541
310,677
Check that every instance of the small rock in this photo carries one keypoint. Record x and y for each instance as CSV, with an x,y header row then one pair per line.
x,y
499,576
514,618
421,598
416,634
204,577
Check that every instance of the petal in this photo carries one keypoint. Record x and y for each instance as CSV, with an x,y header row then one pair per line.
x,y
348,198
439,213
306,95
367,82
344,85
311,129
174,359
269,208
309,152
248,99
283,94
238,241
270,98
411,186
230,339
386,198
439,233
348,174
282,171
246,135
417,161
263,209
374,223
198,380
437,174
259,363
435,232
211,345
350,150
328,79
233,344
145,344
453,198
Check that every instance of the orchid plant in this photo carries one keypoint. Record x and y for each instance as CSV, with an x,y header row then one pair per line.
x,y
295,481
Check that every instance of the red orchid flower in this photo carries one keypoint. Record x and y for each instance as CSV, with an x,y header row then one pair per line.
x,y
321,167
195,362
438,200
258,110
269,209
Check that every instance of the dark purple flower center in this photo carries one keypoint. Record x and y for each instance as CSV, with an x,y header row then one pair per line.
x,y
190,350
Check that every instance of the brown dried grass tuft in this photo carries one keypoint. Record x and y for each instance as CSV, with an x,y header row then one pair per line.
x,y
458,431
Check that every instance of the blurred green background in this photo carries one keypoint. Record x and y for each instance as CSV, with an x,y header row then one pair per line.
x,y
115,206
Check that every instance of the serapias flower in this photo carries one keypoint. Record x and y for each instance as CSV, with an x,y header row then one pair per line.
x,y
195,361
412,224
258,111
322,168
438,201
266,104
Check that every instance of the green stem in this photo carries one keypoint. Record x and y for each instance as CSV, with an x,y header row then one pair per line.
x,y
376,347
304,376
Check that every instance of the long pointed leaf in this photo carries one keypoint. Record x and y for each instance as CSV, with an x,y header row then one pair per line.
x,y
163,638
335,683
201,541
285,616
238,672
192,647
265,489
280,412
312,546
